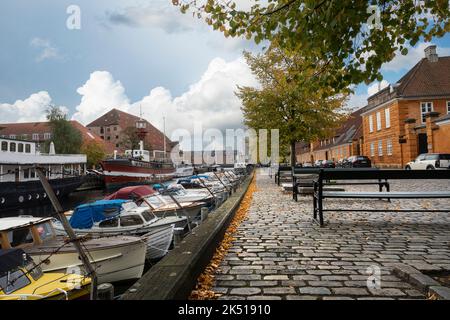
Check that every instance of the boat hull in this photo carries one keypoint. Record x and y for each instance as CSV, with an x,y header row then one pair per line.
x,y
113,263
31,193
120,173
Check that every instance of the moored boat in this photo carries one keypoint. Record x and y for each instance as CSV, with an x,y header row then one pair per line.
x,y
22,279
115,258
19,183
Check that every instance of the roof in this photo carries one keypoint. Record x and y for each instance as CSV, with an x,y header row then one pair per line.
x,y
133,192
350,130
124,120
20,222
30,128
425,79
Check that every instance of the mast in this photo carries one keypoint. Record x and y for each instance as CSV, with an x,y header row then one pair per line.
x,y
164,137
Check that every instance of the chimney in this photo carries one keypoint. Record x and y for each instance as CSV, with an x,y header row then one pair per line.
x,y
430,54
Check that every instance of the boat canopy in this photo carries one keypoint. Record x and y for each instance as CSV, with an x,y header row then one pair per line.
x,y
11,259
131,193
85,215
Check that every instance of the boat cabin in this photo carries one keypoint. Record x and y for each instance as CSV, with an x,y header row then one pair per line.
x,y
24,231
18,159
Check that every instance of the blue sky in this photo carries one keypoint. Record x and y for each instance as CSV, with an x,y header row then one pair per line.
x,y
130,54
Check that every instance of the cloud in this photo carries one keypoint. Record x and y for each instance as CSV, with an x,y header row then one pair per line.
x,y
100,94
31,109
415,54
374,88
46,50
158,15
210,101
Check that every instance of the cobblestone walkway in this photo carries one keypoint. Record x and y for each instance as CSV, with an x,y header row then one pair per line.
x,y
279,253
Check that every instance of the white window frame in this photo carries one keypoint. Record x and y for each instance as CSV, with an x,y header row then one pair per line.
x,y
387,115
380,148
35,136
371,123
389,147
12,136
422,119
372,149
378,121
47,135
448,107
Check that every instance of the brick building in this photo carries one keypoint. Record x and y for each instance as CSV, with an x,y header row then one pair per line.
x,y
110,127
347,141
411,116
40,132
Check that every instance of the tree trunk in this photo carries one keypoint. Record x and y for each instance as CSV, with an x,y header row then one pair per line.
x,y
293,159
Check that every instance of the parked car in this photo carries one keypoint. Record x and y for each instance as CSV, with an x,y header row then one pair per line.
x,y
430,161
358,162
318,163
307,165
342,163
328,164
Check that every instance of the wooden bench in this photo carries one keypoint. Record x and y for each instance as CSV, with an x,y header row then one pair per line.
x,y
371,174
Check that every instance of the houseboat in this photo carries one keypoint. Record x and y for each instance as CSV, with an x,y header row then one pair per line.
x,y
19,182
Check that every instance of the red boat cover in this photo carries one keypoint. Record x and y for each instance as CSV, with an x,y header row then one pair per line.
x,y
133,193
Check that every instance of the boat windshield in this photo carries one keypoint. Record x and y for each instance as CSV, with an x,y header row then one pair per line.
x,y
45,231
155,201
13,280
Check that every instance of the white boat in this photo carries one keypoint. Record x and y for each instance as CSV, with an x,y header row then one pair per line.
x,y
184,171
122,217
114,258
182,194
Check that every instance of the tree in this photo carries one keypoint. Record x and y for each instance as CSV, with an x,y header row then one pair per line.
x,y
130,138
289,98
351,35
94,151
67,139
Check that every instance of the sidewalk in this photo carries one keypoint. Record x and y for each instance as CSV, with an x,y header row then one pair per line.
x,y
279,253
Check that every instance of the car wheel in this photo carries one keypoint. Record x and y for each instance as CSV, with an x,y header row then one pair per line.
x,y
430,168
407,168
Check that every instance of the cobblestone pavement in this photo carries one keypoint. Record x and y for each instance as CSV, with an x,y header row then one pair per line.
x,y
279,253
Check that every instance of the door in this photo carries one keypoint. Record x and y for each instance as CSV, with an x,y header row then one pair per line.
x,y
422,143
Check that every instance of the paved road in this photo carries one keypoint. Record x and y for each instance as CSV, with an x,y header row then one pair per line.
x,y
279,253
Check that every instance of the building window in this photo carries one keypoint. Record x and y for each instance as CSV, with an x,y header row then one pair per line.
x,y
108,138
370,123
448,107
4,146
12,136
25,136
380,148
372,149
12,147
117,137
378,121
425,107
20,147
389,147
117,145
102,137
26,173
28,148
115,128
102,130
35,136
387,114
47,136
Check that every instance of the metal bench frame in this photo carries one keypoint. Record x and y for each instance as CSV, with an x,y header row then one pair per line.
x,y
369,174
297,172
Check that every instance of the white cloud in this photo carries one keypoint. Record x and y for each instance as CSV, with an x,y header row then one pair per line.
x,y
415,54
46,49
31,109
210,101
100,94
357,101
377,86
